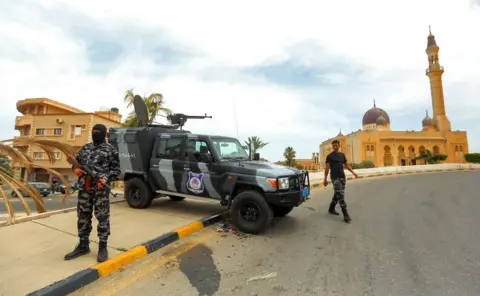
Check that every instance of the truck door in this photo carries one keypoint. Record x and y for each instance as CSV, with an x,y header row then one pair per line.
x,y
168,167
203,178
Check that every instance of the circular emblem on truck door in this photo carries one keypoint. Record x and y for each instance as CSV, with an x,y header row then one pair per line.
x,y
195,183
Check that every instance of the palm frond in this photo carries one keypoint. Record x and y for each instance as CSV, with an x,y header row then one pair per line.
x,y
128,98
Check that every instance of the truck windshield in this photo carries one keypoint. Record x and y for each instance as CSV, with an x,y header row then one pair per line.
x,y
229,148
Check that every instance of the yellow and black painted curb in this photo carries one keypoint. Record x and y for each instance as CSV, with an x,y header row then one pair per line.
x,y
320,184
93,273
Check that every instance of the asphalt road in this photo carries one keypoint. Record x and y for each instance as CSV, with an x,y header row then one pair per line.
x,y
52,202
410,235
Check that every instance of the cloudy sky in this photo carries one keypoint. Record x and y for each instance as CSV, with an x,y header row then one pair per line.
x,y
293,72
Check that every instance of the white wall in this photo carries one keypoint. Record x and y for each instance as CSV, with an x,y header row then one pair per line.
x,y
399,169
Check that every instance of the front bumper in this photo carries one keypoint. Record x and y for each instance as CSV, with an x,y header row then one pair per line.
x,y
292,197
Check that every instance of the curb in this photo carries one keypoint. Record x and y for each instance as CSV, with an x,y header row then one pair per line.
x,y
95,272
320,184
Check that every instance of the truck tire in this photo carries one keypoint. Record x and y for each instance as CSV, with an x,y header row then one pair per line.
x,y
251,213
279,211
138,194
176,198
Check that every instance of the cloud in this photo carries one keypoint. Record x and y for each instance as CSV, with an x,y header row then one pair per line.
x,y
291,74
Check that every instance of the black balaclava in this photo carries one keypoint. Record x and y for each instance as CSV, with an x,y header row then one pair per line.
x,y
99,132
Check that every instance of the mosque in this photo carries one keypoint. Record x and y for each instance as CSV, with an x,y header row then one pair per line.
x,y
384,147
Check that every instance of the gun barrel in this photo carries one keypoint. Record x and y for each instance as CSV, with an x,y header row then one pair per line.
x,y
197,117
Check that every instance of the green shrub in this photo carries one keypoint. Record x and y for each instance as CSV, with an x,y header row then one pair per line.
x,y
355,166
366,164
472,157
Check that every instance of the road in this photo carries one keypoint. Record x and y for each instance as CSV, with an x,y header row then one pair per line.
x,y
410,235
52,202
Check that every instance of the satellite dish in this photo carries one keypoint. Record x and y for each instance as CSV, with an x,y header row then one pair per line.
x,y
140,110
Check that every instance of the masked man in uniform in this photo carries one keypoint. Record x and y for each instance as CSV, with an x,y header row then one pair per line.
x,y
336,162
103,160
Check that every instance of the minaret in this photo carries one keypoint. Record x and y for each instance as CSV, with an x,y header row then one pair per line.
x,y
434,73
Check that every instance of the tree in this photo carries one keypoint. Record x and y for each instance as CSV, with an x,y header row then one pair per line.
x,y
257,144
431,158
289,155
154,103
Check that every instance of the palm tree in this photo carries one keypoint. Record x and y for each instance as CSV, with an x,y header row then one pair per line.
x,y
289,155
431,158
154,103
257,144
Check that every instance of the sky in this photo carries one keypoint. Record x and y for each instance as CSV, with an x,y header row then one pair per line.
x,y
290,72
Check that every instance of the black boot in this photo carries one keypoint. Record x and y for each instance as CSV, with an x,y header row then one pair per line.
x,y
102,252
346,217
83,248
331,209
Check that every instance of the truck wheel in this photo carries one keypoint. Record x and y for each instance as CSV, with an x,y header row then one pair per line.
x,y
176,198
279,211
138,194
251,213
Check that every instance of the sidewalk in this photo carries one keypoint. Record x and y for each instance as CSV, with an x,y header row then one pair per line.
x,y
32,252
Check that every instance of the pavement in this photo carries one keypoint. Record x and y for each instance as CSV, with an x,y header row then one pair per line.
x,y
32,252
410,235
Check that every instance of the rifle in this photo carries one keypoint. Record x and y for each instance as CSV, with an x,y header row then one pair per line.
x,y
87,170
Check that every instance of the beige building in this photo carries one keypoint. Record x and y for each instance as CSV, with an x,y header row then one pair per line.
x,y
384,147
52,120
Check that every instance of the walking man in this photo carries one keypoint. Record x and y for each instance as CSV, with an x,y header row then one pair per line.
x,y
335,162
103,160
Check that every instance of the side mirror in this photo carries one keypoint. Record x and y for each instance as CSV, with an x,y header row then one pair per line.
x,y
256,156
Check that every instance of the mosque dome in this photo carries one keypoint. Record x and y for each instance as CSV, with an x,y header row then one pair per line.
x,y
427,121
373,114
381,120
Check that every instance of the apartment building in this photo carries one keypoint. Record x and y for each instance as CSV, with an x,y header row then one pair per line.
x,y
52,120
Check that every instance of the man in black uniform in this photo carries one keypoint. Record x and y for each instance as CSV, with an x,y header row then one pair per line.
x,y
335,162
103,159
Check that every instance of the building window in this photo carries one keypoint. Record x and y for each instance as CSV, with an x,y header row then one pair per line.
x,y
76,130
41,132
37,155
57,155
57,131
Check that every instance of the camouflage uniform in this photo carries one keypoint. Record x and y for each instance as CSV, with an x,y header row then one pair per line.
x,y
103,160
339,192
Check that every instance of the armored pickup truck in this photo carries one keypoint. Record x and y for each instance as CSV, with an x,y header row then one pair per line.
x,y
160,160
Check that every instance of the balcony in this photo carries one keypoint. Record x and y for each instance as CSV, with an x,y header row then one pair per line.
x,y
16,141
23,121
434,69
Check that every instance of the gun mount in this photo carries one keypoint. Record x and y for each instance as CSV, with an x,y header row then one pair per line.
x,y
177,119
180,119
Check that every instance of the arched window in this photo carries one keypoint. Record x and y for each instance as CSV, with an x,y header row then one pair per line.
x,y
387,156
370,153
